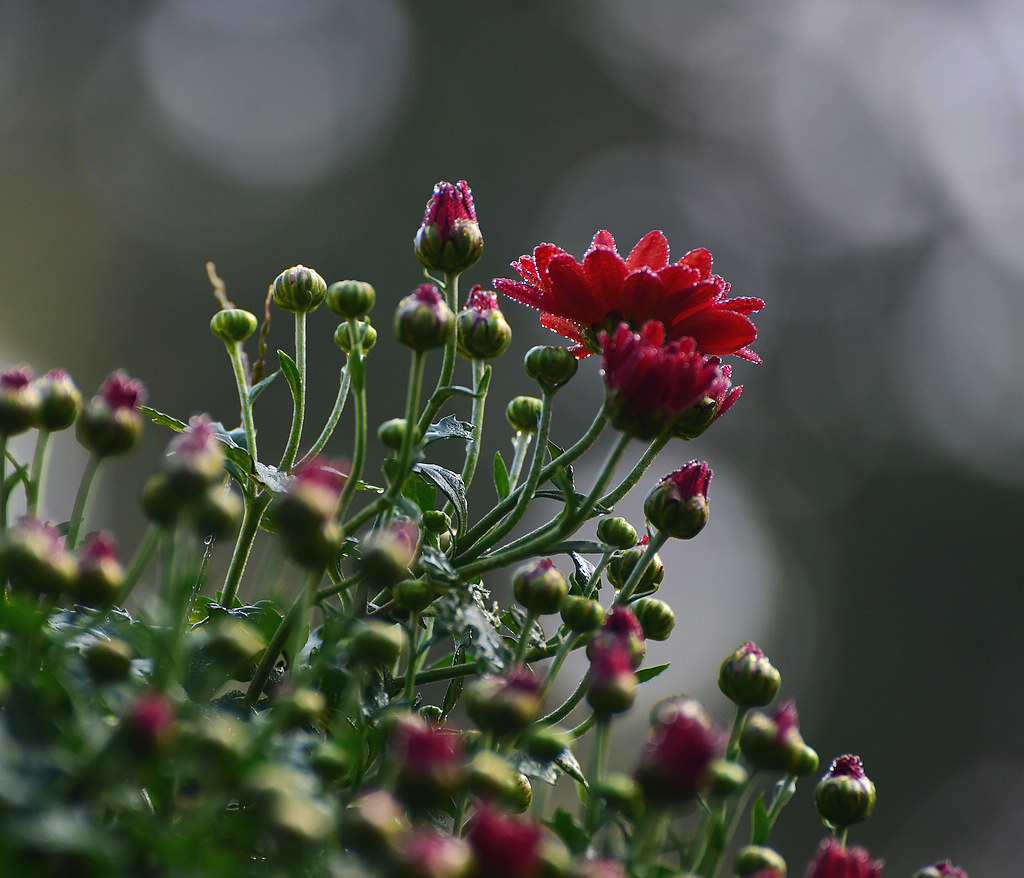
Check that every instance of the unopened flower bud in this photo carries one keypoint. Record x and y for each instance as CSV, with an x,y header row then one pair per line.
x,y
232,644
60,402
703,413
160,502
621,792
430,763
217,513
617,533
505,705
111,422
109,660
540,587
942,869
483,331
366,337
655,617
423,320
747,678
413,595
195,459
387,553
620,627
523,414
612,680
373,823
352,299
835,860
19,401
233,325
773,742
581,614
311,499
436,522
678,504
550,366
150,725
725,778
753,858
622,563
845,795
492,776
392,432
683,743
299,290
505,846
33,558
449,237
430,854
376,642
548,742
100,574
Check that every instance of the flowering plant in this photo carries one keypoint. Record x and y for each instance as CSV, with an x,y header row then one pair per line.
x,y
390,717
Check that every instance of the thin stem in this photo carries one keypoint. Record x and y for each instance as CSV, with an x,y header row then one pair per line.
x,y
521,445
81,501
36,489
409,692
598,756
481,373
234,350
332,421
3,482
594,583
254,507
412,432
636,574
140,560
358,375
451,295
732,749
635,474
567,706
566,646
299,403
524,636
338,588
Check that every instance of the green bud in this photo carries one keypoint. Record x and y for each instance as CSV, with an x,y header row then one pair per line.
x,y
580,614
449,237
773,741
505,705
232,644
622,564
233,325
111,422
678,504
60,402
302,708
392,433
523,414
548,742
755,857
432,714
352,299
376,642
845,795
436,522
620,792
423,320
366,337
617,533
724,778
540,587
655,617
551,367
317,546
100,574
747,678
388,552
33,558
109,660
160,502
299,290
19,401
492,776
217,513
696,419
483,331
413,594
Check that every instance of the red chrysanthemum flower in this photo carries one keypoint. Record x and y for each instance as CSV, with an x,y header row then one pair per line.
x,y
835,861
578,300
650,384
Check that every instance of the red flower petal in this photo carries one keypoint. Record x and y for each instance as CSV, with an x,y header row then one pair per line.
x,y
650,252
742,305
603,239
570,291
641,291
719,332
699,259
605,271
524,293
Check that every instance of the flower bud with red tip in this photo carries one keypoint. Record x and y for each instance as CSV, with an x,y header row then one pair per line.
x,y
427,853
702,414
620,627
111,422
674,765
944,869
483,331
352,299
19,401
773,742
747,678
217,513
612,679
678,504
845,795
299,290
623,562
449,237
195,459
754,859
505,846
504,705
423,319
430,764
617,533
540,587
388,552
60,402
100,574
33,558
581,614
305,514
833,860
151,723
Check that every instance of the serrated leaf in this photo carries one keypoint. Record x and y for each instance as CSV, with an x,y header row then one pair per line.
x,y
645,674
473,628
569,830
449,427
257,389
760,823
584,569
567,762
272,478
163,420
501,481
545,771
450,484
262,615
515,618
291,373
434,563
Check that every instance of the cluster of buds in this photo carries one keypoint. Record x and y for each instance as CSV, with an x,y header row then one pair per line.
x,y
622,563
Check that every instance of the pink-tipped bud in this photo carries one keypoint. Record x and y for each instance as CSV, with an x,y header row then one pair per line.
x,y
505,705
60,402
33,558
150,725
942,869
483,331
747,678
19,401
505,846
845,795
111,422
612,680
540,587
423,319
431,767
100,574
678,504
772,741
620,628
449,237
195,459
833,860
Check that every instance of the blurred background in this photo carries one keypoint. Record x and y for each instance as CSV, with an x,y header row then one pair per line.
x,y
857,164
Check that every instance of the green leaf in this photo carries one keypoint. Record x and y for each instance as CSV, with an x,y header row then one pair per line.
x,y
421,492
262,615
448,391
162,420
545,771
474,629
599,508
501,482
257,389
272,478
454,691
645,674
450,484
291,373
569,830
760,823
435,565
567,762
449,427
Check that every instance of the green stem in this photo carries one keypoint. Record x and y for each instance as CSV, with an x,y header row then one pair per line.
x,y
81,501
253,513
234,350
636,574
332,421
646,850
357,371
524,636
480,373
299,403
594,583
521,445
412,432
635,474
338,588
592,817
36,490
140,560
566,646
732,750
3,482
567,706
451,295
409,692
